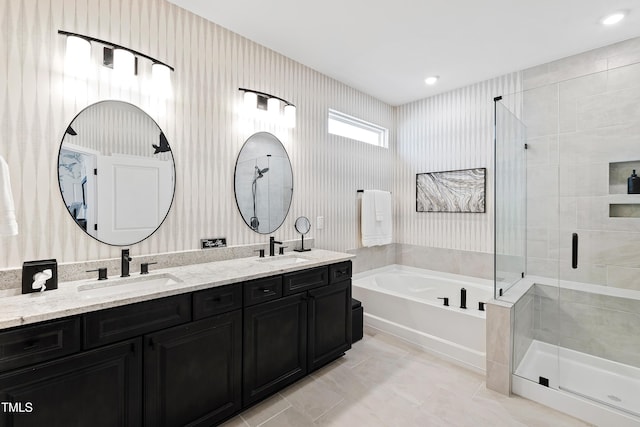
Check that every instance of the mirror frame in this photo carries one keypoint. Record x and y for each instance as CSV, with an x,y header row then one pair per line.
x,y
235,174
69,130
308,224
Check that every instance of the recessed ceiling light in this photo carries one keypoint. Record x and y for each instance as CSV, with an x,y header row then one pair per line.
x,y
613,18
431,80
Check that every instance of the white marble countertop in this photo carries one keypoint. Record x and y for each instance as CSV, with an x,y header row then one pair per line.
x,y
71,298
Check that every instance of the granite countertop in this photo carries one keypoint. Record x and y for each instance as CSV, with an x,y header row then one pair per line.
x,y
72,298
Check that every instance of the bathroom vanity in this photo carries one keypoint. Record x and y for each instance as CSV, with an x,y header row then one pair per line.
x,y
193,353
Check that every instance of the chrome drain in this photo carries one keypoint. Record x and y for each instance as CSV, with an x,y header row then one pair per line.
x,y
614,398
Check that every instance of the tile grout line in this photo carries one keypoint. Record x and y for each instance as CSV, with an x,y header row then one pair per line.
x,y
328,410
278,413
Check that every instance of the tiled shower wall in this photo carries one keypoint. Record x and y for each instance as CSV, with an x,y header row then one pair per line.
x,y
596,324
582,115
201,119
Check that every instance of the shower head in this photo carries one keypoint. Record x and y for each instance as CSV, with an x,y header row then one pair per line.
x,y
260,172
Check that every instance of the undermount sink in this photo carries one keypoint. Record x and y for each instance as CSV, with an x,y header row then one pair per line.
x,y
133,284
283,260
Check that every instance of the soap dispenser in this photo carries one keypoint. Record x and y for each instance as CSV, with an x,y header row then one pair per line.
x,y
633,184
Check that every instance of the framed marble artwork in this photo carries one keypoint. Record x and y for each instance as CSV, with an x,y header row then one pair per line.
x,y
451,191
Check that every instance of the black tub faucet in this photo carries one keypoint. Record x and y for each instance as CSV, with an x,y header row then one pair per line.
x,y
445,302
272,243
125,259
463,298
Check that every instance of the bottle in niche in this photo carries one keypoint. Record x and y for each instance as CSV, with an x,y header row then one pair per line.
x,y
633,184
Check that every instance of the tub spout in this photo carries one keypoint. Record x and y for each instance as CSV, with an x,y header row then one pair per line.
x,y
463,298
446,301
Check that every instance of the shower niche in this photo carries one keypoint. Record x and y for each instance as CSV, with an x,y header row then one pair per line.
x,y
622,204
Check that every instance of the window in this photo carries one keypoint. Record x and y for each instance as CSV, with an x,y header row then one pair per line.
x,y
350,127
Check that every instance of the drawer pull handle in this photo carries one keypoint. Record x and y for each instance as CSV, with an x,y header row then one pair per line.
x,y
265,290
31,344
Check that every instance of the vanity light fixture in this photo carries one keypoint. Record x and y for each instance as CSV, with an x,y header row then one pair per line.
x,y
613,18
255,100
431,80
124,61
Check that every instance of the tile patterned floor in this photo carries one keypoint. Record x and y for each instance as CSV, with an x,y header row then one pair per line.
x,y
383,381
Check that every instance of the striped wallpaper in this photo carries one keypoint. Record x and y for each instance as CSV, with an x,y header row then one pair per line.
x,y
449,131
201,120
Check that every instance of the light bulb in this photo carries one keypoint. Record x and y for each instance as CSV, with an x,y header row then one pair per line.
x,y
613,19
250,100
431,80
273,106
77,56
290,115
161,76
124,63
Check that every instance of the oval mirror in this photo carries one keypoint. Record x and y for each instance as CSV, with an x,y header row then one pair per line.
x,y
116,173
263,183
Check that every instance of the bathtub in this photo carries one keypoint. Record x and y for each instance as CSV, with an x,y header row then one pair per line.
x,y
403,301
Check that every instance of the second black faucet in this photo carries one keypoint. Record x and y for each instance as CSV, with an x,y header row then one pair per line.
x,y
272,243
125,259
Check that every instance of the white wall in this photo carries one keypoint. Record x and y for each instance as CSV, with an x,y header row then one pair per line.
x,y
201,120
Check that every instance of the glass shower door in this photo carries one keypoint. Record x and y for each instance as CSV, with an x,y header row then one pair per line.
x,y
510,198
598,311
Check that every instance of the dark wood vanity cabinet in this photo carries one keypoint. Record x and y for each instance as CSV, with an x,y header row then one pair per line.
x,y
329,323
98,388
275,346
192,373
288,337
192,359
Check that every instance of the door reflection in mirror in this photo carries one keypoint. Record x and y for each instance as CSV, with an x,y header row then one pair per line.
x,y
116,173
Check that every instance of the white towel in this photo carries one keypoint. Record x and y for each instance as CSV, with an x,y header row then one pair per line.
x,y
376,204
8,224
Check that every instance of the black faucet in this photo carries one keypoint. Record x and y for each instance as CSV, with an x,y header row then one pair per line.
x,y
463,298
125,259
272,243
446,301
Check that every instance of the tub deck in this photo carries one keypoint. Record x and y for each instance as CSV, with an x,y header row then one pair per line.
x,y
403,301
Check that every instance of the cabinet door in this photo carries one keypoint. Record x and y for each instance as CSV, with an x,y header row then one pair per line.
x,y
98,388
275,346
329,323
192,372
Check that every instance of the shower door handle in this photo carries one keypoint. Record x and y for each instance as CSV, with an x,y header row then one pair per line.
x,y
574,251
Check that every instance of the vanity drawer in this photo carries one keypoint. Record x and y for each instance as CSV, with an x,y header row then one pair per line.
x,y
304,280
120,323
262,290
339,272
217,301
38,343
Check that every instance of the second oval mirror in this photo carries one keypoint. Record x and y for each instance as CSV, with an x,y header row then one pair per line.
x,y
263,183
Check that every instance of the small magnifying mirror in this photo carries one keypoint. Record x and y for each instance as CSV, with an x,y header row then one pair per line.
x,y
302,226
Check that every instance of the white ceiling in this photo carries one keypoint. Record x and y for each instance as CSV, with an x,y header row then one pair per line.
x,y
386,48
